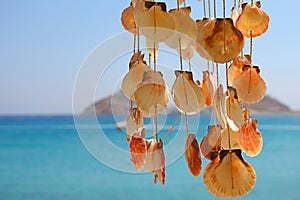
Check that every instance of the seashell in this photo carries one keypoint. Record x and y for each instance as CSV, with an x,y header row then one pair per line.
x,y
127,19
185,29
136,57
134,122
252,21
187,94
234,15
220,39
251,88
192,155
153,20
233,108
152,94
187,53
250,138
211,143
208,88
133,78
236,68
229,176
230,139
138,149
219,106
155,160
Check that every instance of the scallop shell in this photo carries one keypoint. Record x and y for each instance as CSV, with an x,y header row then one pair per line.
x,y
187,94
192,155
138,149
134,122
229,176
230,139
236,68
219,106
208,88
234,15
211,142
153,20
152,95
127,19
250,138
155,160
220,39
133,78
185,29
251,88
252,19
233,108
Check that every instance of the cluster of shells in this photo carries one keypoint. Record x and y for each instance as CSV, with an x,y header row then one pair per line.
x,y
219,40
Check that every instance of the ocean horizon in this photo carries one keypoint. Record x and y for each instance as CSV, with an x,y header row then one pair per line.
x,y
47,157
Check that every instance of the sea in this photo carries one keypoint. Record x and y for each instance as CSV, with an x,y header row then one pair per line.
x,y
81,157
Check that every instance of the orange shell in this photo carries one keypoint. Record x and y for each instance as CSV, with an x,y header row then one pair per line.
x,y
152,93
233,108
250,138
127,19
187,94
155,160
192,155
208,88
185,29
251,88
228,135
211,142
138,150
236,68
218,48
133,78
134,122
252,19
229,176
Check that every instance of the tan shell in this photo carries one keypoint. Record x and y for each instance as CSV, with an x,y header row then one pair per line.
x,y
155,160
252,19
153,20
250,138
219,106
138,149
234,15
187,94
211,142
134,122
236,68
185,29
228,136
152,93
192,155
251,88
127,19
208,88
233,108
211,38
133,78
229,176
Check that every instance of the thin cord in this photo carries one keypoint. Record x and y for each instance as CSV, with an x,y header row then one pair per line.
x,y
227,75
171,128
209,13
180,54
215,9
186,124
204,8
251,45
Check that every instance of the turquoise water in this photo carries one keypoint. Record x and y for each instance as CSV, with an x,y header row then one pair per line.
x,y
44,158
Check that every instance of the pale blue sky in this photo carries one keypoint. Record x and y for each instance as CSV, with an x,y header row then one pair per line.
x,y
43,44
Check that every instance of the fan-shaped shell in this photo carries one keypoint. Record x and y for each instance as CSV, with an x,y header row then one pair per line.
x,y
234,15
252,19
192,155
134,122
250,138
187,94
230,177
251,88
155,161
219,106
211,142
138,149
153,20
152,95
233,108
236,68
133,78
208,88
185,29
230,139
222,41
127,19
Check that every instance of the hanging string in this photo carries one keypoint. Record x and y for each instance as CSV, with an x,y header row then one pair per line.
x,y
177,5
224,9
154,42
251,46
138,42
227,85
156,123
215,9
234,4
204,8
186,124
208,67
180,54
217,68
252,2
190,66
209,14
134,43
171,128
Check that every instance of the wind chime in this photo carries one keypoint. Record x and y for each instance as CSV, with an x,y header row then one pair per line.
x,y
221,42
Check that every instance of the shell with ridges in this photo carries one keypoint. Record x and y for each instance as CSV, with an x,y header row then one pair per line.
x,y
236,68
192,155
138,149
211,142
233,108
134,122
127,19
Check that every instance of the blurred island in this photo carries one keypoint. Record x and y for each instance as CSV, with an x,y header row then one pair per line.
x,y
118,104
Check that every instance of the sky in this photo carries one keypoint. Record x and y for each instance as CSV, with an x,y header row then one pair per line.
x,y
44,44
